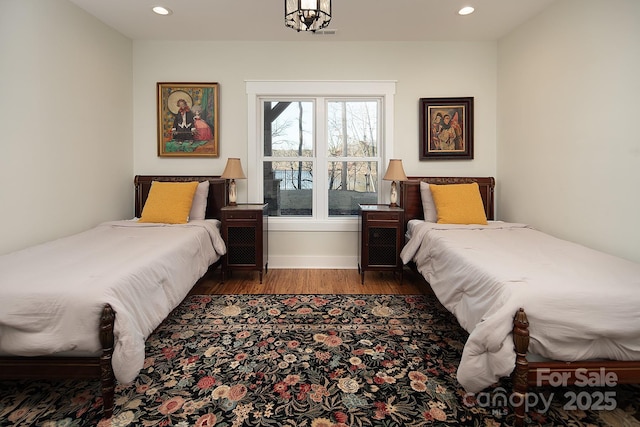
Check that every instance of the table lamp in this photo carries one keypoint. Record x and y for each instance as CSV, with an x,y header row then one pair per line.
x,y
233,171
395,172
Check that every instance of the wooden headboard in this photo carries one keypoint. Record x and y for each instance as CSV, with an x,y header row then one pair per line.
x,y
411,201
217,191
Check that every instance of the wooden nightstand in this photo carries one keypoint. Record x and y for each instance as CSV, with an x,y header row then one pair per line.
x,y
381,235
245,232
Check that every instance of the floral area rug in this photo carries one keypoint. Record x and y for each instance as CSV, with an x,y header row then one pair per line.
x,y
299,360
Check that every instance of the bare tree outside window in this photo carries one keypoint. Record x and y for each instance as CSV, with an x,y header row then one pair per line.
x,y
352,150
291,152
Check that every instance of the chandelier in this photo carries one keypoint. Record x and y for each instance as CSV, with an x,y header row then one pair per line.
x,y
307,15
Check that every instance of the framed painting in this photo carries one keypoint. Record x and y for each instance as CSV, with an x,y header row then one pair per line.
x,y
188,119
446,128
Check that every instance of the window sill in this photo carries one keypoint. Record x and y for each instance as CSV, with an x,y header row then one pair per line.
x,y
311,225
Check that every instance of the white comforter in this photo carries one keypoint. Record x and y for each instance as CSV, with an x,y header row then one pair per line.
x,y
51,295
581,304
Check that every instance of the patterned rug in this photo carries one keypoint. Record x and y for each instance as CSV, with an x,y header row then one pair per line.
x,y
302,360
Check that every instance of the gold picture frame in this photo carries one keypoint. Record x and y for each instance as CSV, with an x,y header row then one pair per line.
x,y
188,119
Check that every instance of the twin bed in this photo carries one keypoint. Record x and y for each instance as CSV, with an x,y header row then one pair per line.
x,y
533,305
82,306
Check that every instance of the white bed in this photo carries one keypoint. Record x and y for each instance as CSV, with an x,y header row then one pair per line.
x,y
533,305
142,270
83,305
582,304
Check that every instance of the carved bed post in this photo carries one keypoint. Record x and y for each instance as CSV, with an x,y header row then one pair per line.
x,y
521,371
107,378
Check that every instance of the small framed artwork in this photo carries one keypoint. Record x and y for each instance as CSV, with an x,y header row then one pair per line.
x,y
188,119
446,128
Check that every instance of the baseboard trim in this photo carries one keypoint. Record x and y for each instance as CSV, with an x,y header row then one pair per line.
x,y
299,262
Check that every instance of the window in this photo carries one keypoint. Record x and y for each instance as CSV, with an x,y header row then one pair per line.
x,y
318,148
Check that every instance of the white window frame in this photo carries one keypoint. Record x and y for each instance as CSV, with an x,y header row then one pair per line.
x,y
258,89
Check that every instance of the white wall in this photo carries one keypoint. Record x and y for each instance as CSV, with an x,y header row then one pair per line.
x,y
66,149
420,69
568,150
559,95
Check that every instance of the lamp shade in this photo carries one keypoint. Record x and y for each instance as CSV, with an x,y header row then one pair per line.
x,y
233,169
395,171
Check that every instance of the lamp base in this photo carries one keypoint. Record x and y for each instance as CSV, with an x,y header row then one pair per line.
x,y
393,196
233,194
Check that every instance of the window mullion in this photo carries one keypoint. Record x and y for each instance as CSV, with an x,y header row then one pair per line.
x,y
321,194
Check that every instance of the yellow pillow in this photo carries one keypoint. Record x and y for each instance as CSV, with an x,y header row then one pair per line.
x,y
169,202
458,204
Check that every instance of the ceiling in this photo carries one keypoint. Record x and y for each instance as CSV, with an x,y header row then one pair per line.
x,y
352,20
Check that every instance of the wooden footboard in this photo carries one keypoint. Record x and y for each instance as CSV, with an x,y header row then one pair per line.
x,y
527,373
520,383
37,368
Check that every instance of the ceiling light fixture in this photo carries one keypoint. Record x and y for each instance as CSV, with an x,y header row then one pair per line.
x,y
307,15
161,10
467,10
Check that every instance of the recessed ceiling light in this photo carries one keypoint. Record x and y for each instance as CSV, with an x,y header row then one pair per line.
x,y
466,10
161,10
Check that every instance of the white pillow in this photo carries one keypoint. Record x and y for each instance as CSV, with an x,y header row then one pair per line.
x,y
199,205
428,206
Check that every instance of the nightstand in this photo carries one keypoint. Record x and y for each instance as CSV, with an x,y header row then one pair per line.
x,y
381,235
245,232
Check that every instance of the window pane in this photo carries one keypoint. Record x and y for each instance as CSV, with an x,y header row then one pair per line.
x,y
288,188
352,128
351,183
288,128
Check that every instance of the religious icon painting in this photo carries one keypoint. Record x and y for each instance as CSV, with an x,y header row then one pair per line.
x,y
188,119
446,128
